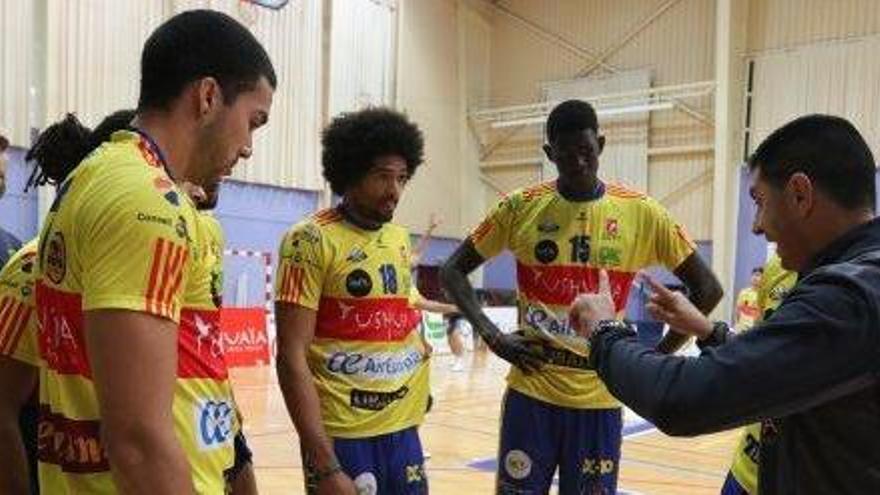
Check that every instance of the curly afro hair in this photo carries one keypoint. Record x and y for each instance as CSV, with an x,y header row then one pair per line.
x,y
354,140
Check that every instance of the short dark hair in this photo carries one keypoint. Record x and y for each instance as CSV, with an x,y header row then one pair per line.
x,y
827,149
60,148
571,115
197,44
758,269
353,141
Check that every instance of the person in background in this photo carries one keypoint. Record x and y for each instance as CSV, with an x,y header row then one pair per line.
x,y
9,244
747,309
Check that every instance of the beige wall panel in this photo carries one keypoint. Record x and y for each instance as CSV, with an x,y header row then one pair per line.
x,y
474,48
287,150
683,184
93,49
17,69
677,46
429,92
775,24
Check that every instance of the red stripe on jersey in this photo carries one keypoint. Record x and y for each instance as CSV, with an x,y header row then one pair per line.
x,y
171,275
386,319
182,255
623,192
61,331
147,153
284,290
291,283
166,275
6,308
297,279
481,231
559,285
19,331
152,286
539,190
200,345
72,444
13,327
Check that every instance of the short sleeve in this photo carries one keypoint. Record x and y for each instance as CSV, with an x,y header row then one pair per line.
x,y
134,246
301,269
492,235
672,244
18,321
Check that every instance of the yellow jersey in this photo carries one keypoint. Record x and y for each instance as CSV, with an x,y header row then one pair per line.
x,y
775,284
747,310
121,235
18,316
367,359
560,246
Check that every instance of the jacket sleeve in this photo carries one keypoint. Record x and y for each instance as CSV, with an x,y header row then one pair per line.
x,y
821,344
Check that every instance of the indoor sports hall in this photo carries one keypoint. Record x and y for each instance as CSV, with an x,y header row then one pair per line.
x,y
384,334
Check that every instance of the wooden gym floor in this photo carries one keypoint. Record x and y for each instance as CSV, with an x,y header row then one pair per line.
x,y
461,434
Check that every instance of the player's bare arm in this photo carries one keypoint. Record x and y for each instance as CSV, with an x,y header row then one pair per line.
x,y
17,383
705,293
134,368
296,330
510,347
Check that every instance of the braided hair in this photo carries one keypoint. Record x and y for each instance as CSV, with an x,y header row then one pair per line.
x,y
63,145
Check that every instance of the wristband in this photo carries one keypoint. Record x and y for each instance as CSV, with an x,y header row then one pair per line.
x,y
319,475
716,337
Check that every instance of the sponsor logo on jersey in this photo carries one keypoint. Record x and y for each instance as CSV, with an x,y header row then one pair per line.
x,y
376,401
356,255
56,258
214,423
358,283
548,227
379,366
546,251
149,218
609,256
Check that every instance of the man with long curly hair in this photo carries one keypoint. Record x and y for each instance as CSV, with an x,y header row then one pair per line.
x,y
351,365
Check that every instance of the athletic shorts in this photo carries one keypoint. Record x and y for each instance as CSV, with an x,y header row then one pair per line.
x,y
391,464
537,437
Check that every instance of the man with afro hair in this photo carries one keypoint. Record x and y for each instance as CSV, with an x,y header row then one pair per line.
x,y
351,365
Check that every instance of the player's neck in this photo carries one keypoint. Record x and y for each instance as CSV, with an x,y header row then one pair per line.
x,y
174,143
356,218
579,188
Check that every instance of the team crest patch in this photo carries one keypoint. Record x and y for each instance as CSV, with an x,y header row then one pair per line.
x,y
612,228
56,258
518,464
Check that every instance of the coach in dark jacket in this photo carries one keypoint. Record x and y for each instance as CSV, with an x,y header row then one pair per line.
x,y
810,372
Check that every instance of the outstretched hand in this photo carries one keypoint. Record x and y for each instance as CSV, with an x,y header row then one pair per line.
x,y
676,310
588,310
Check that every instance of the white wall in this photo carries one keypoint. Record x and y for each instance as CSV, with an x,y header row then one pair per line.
x,y
434,88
